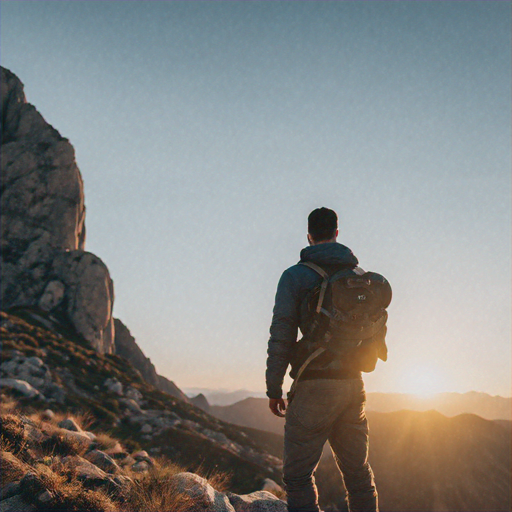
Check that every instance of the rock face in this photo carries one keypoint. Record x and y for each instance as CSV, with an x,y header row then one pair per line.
x,y
126,346
201,401
43,260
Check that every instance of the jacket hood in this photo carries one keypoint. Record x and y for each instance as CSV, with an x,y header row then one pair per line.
x,y
330,253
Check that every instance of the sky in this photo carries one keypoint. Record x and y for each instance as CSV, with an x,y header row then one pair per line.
x,y
206,132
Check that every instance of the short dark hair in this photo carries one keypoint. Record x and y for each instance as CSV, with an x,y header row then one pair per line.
x,y
322,224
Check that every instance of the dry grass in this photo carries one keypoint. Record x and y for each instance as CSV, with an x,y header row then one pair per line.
x,y
64,495
105,442
154,492
12,433
7,404
59,443
84,419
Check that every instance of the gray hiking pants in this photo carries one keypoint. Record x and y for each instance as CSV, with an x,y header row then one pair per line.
x,y
333,410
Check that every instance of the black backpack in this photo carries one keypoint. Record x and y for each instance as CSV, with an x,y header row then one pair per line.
x,y
346,316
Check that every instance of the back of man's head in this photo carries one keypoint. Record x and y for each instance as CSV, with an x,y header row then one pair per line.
x,y
322,224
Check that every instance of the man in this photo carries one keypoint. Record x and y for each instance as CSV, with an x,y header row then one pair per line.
x,y
329,398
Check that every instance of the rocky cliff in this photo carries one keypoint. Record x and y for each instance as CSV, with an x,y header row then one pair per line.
x,y
43,257
44,265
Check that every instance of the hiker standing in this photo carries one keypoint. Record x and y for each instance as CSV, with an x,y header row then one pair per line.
x,y
327,296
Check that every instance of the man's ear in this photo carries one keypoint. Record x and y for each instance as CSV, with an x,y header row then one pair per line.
x,y
310,240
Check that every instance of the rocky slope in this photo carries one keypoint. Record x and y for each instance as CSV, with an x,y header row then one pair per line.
x,y
44,265
51,377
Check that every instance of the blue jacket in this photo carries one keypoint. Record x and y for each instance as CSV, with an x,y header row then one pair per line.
x,y
292,289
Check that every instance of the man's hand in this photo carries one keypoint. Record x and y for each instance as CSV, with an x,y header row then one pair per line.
x,y
277,406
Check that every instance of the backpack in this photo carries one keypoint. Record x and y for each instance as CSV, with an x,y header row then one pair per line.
x,y
346,315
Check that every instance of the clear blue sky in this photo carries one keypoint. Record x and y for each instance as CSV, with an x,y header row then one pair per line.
x,y
207,131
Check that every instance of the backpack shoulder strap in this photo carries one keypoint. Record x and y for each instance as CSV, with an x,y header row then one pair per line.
x,y
325,282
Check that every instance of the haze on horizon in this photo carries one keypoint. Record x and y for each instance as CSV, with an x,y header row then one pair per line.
x,y
207,131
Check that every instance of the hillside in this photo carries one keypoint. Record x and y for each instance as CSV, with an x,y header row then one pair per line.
x,y
43,369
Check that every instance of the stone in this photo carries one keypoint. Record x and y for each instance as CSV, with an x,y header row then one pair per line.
x,y
34,435
102,460
271,486
205,497
45,497
259,501
9,490
89,297
21,386
85,470
70,424
79,437
16,504
134,394
48,414
141,455
131,405
114,386
28,369
140,466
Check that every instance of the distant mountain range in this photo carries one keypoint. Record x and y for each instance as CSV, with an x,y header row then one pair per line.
x,y
422,460
223,397
450,404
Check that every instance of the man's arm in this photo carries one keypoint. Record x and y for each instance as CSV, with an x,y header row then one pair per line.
x,y
283,335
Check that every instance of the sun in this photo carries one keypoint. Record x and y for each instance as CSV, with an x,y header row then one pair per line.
x,y
423,381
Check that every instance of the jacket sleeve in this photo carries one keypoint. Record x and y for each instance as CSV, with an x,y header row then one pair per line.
x,y
283,333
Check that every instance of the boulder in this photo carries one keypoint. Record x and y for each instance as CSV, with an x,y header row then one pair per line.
x,y
271,486
70,424
85,470
16,504
10,490
131,405
114,386
259,501
205,497
48,414
29,369
140,466
102,460
21,386
81,438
